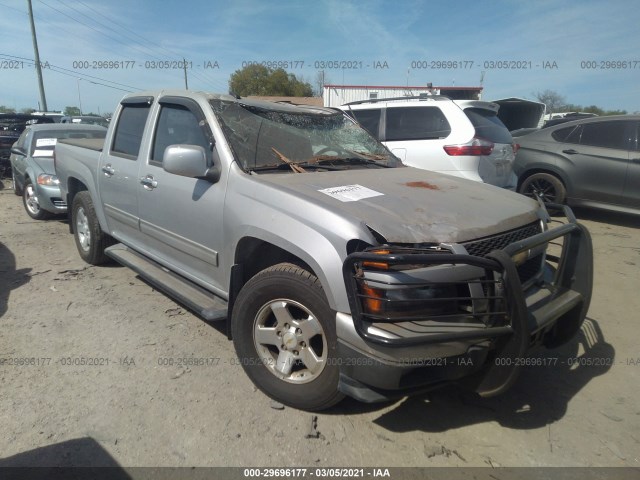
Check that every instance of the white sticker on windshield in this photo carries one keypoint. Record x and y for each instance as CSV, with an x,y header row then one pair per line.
x,y
43,153
350,193
46,142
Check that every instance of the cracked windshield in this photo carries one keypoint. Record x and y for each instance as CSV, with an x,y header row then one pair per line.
x,y
281,138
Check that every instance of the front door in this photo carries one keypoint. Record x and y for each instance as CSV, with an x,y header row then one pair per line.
x,y
181,217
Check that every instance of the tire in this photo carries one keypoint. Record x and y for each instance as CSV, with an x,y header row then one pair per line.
x,y
90,239
16,189
293,359
546,186
30,202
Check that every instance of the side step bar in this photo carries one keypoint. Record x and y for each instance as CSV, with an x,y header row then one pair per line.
x,y
204,303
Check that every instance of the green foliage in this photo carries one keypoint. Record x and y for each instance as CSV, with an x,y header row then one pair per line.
x,y
264,81
27,110
556,103
72,111
4,109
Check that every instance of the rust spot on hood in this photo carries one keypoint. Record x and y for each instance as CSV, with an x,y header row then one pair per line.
x,y
421,184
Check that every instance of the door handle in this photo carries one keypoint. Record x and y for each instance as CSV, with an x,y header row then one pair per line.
x,y
148,182
571,151
108,170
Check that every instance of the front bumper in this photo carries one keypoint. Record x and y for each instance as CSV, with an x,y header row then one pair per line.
x,y
499,316
50,198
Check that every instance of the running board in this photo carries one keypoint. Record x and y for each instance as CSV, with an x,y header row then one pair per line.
x,y
204,303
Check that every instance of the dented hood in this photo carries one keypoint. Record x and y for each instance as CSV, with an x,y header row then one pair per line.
x,y
409,205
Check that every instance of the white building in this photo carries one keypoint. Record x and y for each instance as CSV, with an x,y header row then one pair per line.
x,y
336,95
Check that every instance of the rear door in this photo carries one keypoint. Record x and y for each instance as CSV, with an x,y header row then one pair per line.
x,y
181,217
631,190
598,163
417,135
118,182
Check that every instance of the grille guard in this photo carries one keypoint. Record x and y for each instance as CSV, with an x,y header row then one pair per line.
x,y
574,272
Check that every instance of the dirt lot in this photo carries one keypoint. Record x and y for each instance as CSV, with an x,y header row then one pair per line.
x,y
130,408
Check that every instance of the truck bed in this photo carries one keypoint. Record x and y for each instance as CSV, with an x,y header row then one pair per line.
x,y
95,144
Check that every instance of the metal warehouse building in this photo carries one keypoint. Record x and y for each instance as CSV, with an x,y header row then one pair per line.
x,y
336,95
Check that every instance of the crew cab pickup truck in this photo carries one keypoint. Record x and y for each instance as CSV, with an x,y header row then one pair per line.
x,y
337,269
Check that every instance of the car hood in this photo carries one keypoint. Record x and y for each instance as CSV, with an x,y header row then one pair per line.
x,y
409,205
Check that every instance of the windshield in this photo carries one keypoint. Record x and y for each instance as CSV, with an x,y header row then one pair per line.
x,y
263,138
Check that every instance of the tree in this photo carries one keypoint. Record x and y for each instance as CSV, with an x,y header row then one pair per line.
x,y
553,100
27,110
4,109
70,111
260,80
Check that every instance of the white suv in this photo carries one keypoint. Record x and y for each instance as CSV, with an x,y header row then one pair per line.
x,y
464,138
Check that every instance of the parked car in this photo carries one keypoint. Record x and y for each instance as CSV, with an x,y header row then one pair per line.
x,y
337,269
32,168
85,120
11,127
464,138
592,162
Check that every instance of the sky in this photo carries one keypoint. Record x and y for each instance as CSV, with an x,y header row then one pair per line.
x,y
95,51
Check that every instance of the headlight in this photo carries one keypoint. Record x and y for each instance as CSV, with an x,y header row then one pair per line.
x,y
399,303
49,180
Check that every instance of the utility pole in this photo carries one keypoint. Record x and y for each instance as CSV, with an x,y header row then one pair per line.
x,y
184,64
37,56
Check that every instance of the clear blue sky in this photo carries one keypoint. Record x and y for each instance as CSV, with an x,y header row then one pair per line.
x,y
406,38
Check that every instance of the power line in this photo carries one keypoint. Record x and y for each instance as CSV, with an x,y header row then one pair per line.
x,y
112,37
75,74
154,46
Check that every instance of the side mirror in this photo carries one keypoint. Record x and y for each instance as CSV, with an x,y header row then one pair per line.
x,y
18,151
189,161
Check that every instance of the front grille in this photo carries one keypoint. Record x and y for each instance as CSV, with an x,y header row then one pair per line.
x,y
483,246
59,203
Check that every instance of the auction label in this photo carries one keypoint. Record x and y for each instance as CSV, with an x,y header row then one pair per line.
x,y
350,193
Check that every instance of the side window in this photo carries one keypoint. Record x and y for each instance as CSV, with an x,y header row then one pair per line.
x,y
416,123
128,134
369,119
567,135
177,125
606,134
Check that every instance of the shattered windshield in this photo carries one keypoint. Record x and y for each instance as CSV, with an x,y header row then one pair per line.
x,y
281,138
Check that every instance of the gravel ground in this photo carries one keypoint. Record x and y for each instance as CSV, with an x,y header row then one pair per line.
x,y
129,407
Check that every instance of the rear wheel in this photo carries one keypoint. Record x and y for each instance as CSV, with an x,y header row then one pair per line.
x,y
30,201
545,186
284,336
90,239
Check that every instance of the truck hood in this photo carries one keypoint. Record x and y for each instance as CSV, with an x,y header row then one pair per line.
x,y
409,205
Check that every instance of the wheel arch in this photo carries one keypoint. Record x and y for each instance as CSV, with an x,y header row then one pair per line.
x,y
252,255
548,169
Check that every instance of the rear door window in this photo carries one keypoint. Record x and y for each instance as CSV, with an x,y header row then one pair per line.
x,y
368,119
488,126
128,135
613,134
416,123
567,135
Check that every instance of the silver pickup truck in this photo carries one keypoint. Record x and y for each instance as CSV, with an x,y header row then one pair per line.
x,y
337,269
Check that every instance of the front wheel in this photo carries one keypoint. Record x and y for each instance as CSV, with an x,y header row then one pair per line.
x,y
90,239
545,186
285,338
30,201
